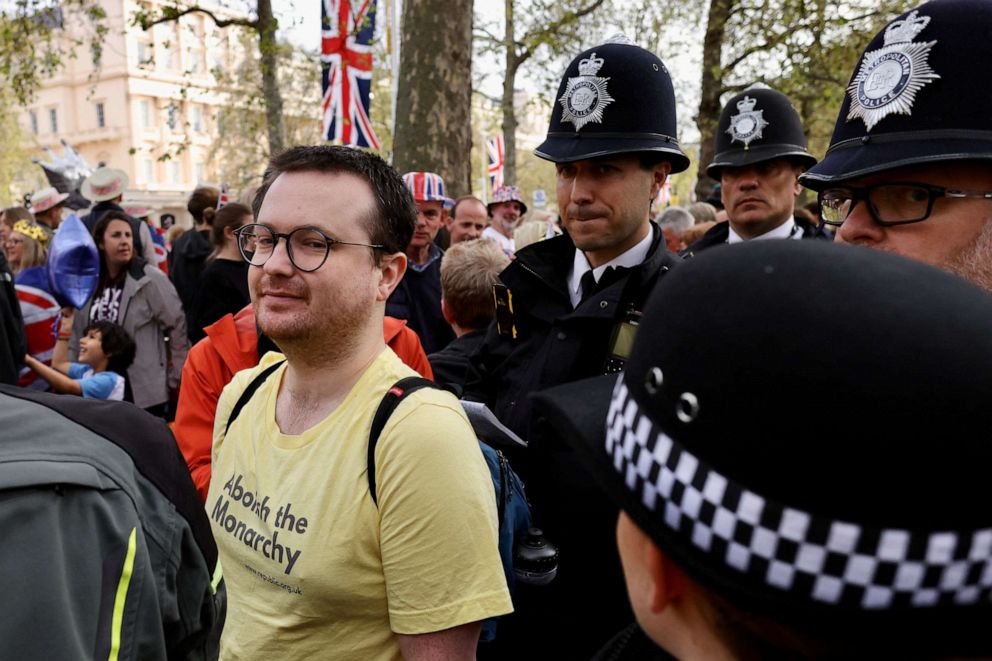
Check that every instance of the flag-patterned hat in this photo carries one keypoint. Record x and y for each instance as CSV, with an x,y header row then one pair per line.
x,y
818,460
46,198
507,194
425,186
104,184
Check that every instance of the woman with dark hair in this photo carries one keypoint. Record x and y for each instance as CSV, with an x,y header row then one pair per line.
x,y
190,251
223,285
139,297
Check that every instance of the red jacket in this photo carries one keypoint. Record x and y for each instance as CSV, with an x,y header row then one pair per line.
x,y
231,345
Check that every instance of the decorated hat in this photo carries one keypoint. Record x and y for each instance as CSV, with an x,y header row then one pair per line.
x,y
759,124
507,194
425,186
818,460
615,98
915,96
31,230
46,198
104,184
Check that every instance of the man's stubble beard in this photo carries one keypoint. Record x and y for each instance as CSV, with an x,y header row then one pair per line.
x,y
974,263
324,339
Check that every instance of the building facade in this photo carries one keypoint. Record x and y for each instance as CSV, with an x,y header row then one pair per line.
x,y
149,110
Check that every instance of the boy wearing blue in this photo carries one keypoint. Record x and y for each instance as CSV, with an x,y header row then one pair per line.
x,y
105,353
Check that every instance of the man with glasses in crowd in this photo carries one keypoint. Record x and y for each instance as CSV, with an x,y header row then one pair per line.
x,y
909,168
315,568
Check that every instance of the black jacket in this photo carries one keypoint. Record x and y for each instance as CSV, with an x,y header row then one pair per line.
x,y
13,344
186,263
418,300
717,236
587,603
450,365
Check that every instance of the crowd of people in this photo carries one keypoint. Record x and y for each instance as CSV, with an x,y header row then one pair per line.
x,y
319,491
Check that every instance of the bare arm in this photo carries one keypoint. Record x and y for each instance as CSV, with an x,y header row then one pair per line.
x,y
455,644
59,381
60,355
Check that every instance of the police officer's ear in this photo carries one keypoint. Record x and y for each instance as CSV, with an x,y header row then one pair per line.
x,y
392,266
659,173
797,169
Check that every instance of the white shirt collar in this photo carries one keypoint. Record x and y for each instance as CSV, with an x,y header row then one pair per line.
x,y
634,256
787,230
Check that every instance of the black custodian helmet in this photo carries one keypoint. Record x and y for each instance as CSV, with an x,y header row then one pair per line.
x,y
615,98
918,95
757,125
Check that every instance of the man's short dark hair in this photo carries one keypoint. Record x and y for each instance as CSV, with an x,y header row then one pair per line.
x,y
390,224
116,344
464,198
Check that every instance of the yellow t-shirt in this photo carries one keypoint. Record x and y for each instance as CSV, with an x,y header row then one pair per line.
x,y
313,568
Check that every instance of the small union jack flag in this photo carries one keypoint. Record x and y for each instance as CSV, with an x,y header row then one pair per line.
x,y
346,59
425,186
497,157
224,199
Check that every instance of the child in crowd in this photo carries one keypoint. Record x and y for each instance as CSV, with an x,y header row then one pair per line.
x,y
105,353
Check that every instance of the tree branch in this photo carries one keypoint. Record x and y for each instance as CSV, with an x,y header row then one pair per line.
x,y
174,14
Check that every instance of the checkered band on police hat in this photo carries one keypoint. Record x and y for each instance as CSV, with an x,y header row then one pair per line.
x,y
786,549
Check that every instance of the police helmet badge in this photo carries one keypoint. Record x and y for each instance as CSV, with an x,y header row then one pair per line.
x,y
586,95
748,123
890,77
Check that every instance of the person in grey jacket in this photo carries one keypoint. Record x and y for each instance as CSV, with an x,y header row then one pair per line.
x,y
107,550
139,297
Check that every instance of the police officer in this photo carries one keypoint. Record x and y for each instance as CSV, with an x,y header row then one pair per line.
x,y
760,153
909,168
752,532
568,310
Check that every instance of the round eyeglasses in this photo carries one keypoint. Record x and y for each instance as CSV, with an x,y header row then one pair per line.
x,y
307,247
889,204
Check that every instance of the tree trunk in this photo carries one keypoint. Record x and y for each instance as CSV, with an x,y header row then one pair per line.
x,y
508,110
433,107
712,86
267,25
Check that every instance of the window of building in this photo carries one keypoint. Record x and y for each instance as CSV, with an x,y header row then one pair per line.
x,y
146,52
149,165
174,172
145,111
34,121
201,172
53,120
197,118
101,118
172,116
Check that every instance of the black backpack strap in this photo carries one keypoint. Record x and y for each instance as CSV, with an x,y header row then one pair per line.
x,y
389,402
246,395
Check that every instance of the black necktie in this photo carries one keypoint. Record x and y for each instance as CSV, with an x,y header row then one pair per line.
x,y
587,284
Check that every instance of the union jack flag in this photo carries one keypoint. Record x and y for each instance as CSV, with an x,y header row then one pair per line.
x,y
347,28
497,157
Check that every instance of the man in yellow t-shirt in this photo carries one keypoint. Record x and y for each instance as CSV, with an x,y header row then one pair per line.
x,y
314,568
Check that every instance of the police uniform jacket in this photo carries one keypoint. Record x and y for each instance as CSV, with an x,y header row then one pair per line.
x,y
718,234
556,344
107,548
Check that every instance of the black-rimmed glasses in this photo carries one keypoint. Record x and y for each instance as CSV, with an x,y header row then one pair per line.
x,y
307,247
889,204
